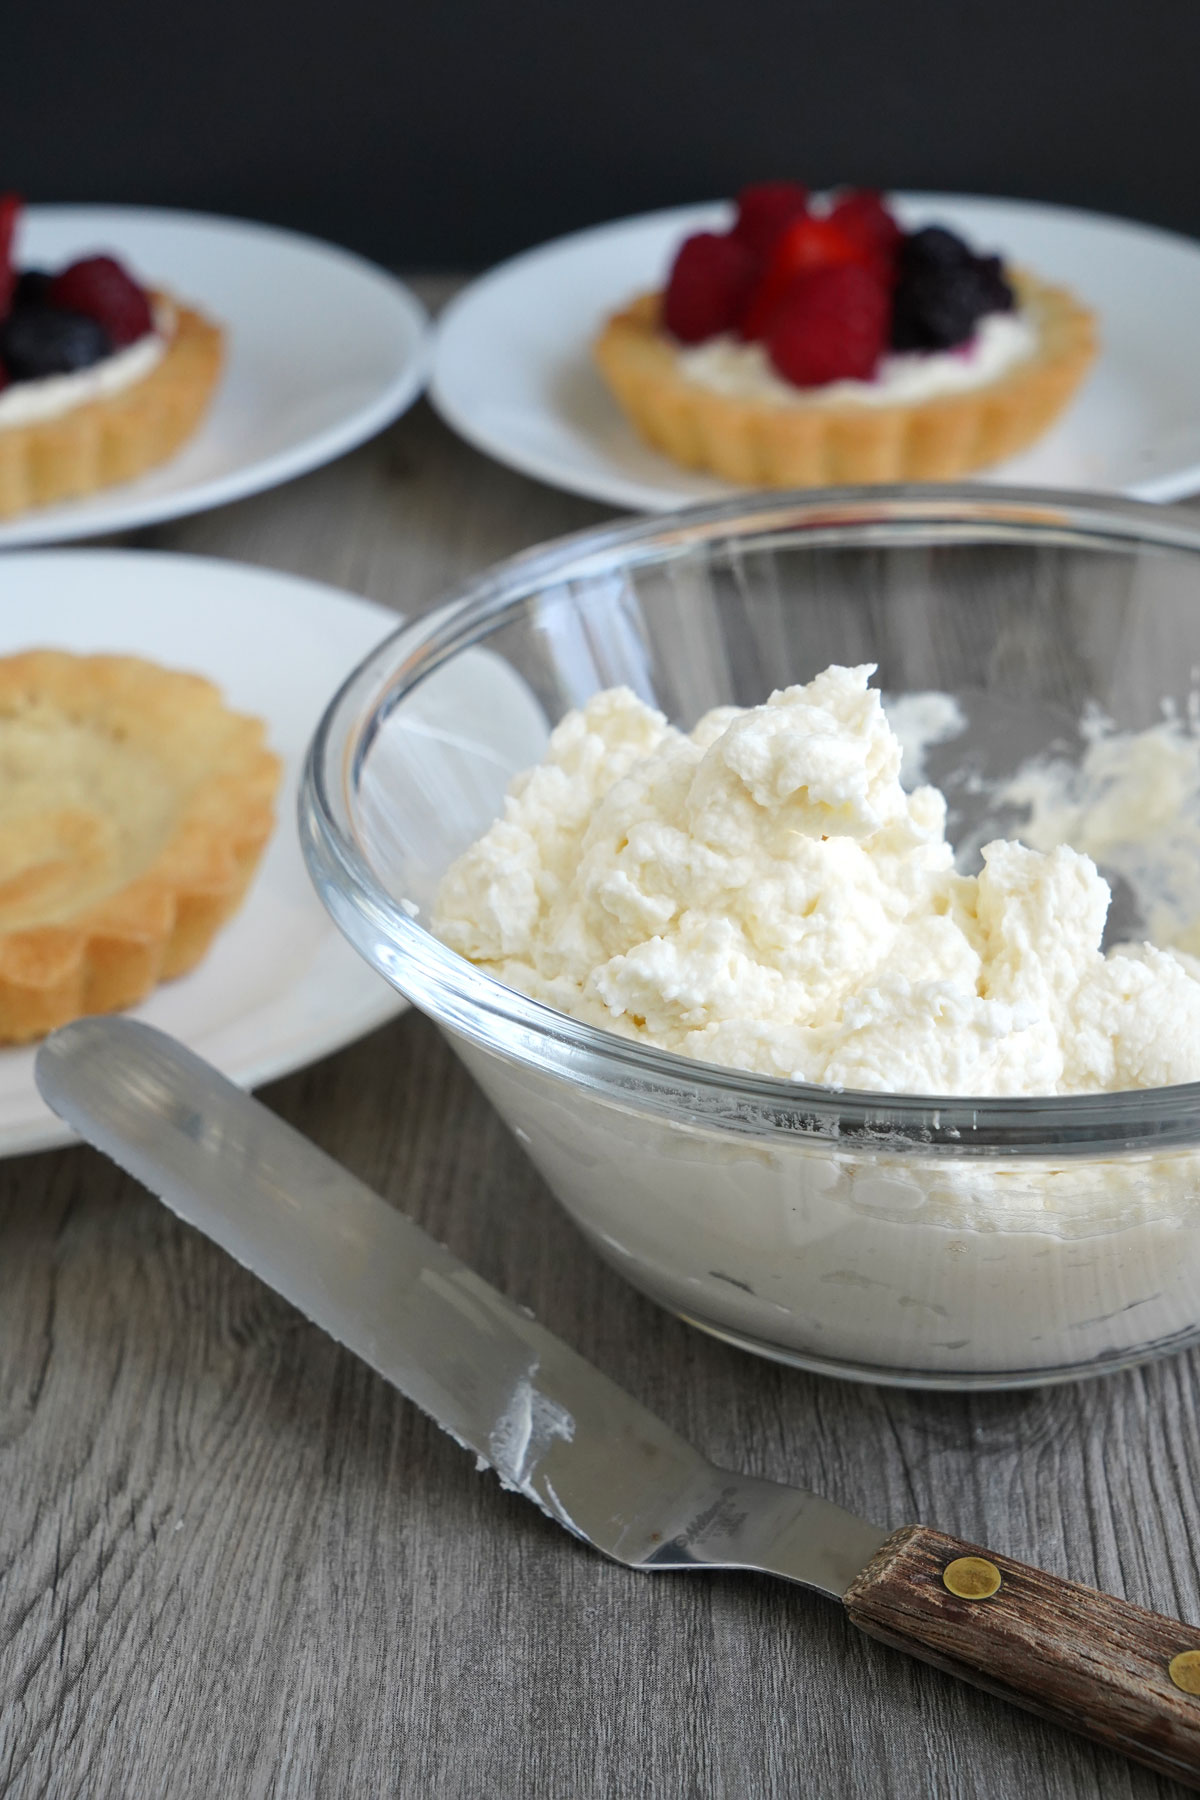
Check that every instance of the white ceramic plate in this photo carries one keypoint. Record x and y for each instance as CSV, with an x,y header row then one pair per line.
x,y
323,349
512,371
280,985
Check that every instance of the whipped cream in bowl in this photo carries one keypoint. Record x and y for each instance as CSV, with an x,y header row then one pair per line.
x,y
800,1072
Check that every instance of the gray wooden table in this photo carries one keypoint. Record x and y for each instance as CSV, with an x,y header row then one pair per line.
x,y
233,1562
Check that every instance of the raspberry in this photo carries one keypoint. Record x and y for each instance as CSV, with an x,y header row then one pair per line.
x,y
764,210
942,291
862,216
805,245
708,288
10,211
831,326
100,288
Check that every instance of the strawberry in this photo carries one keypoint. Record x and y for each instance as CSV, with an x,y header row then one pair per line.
x,y
831,326
764,210
100,288
708,288
861,215
805,245
10,211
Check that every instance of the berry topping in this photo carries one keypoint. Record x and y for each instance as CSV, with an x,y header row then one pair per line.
x,y
942,291
99,287
805,245
934,247
860,214
709,286
10,211
827,291
764,210
831,326
35,343
32,289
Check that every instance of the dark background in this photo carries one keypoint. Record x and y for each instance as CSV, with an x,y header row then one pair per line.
x,y
447,136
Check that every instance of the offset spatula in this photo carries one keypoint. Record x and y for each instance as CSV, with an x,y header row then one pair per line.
x,y
558,1431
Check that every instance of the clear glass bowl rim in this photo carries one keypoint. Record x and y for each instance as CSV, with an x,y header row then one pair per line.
x,y
508,1023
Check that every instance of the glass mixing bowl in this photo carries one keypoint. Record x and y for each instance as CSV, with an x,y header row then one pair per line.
x,y
891,1237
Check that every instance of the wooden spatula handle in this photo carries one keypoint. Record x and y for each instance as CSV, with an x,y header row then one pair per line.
x,y
1126,1677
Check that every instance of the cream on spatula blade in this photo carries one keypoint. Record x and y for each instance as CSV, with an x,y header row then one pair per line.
x,y
558,1431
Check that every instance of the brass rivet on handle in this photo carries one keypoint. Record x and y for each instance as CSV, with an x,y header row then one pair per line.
x,y
975,1578
1184,1671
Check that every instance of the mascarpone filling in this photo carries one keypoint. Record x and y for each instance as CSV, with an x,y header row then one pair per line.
x,y
763,893
743,371
32,402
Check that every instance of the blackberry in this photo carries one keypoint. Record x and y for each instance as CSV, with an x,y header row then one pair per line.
x,y
36,342
942,290
934,248
32,288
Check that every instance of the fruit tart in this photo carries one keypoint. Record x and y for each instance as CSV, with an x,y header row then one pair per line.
x,y
816,341
134,807
100,378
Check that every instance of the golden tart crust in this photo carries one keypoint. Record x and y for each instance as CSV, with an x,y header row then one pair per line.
x,y
134,807
115,437
815,444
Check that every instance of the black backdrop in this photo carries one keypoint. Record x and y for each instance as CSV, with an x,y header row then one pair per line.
x,y
448,135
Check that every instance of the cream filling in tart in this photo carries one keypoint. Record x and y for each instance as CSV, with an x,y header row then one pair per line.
x,y
29,402
728,365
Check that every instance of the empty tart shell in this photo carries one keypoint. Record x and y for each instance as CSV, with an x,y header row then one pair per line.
x,y
134,807
117,436
809,442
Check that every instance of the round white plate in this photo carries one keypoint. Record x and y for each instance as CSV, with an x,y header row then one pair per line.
x,y
322,350
280,985
512,371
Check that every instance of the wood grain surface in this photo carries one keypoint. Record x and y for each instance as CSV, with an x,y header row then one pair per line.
x,y
233,1562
